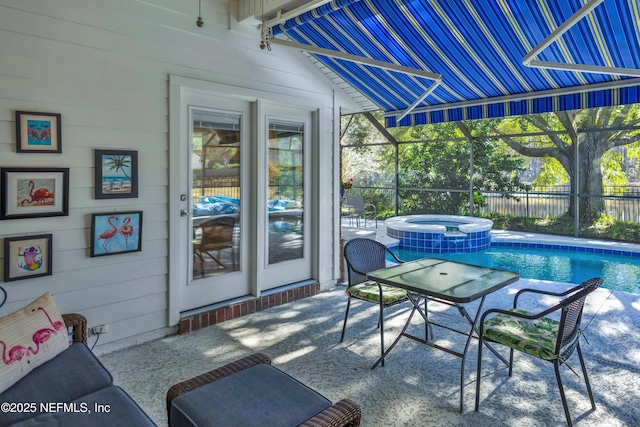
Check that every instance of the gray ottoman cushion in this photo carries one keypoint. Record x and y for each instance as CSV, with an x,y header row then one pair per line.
x,y
257,396
118,410
71,374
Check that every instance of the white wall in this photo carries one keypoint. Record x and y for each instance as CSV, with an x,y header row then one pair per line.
x,y
104,65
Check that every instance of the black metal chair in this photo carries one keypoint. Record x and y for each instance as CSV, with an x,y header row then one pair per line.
x,y
363,256
538,335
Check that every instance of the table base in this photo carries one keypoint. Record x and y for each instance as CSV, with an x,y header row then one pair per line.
x,y
415,300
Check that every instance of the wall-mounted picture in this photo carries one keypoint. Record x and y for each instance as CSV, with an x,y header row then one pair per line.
x,y
38,132
34,192
27,257
116,174
116,233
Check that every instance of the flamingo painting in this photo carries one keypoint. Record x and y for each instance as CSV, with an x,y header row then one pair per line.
x,y
116,233
41,196
126,231
107,235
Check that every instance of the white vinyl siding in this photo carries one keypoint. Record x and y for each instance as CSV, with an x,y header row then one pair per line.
x,y
105,66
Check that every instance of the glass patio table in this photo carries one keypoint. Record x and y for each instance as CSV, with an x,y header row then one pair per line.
x,y
448,282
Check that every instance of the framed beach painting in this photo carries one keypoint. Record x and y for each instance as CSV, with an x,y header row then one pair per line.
x,y
34,192
116,174
116,233
38,132
27,257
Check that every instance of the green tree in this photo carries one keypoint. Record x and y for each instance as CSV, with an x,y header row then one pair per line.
x,y
582,129
444,163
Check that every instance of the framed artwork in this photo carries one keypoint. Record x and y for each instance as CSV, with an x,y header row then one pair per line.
x,y
34,192
27,257
116,233
38,132
116,174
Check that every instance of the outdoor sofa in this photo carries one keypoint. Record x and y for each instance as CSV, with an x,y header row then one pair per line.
x,y
48,375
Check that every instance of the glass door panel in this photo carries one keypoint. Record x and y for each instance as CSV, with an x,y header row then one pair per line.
x,y
215,192
285,191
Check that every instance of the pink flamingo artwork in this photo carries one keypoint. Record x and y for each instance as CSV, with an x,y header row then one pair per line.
x,y
126,230
107,235
43,335
16,353
41,196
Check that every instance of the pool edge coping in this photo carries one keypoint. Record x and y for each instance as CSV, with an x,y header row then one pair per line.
x,y
509,239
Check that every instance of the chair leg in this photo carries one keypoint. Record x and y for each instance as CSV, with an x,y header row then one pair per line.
x,y
346,314
199,255
428,328
510,361
586,378
556,366
381,331
479,373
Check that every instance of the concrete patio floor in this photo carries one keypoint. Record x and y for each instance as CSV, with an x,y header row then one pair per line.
x,y
418,385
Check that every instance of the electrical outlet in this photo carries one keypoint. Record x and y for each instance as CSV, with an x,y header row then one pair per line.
x,y
100,329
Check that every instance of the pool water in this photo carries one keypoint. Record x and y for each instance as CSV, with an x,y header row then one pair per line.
x,y
618,272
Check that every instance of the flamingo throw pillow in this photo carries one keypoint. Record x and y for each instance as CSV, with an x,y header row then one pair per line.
x,y
29,337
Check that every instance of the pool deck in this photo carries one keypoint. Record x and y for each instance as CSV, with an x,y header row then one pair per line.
x,y
504,237
611,322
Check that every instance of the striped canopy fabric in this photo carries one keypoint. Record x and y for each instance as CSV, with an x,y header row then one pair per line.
x,y
478,48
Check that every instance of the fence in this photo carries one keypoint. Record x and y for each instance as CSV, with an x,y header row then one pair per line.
x,y
622,203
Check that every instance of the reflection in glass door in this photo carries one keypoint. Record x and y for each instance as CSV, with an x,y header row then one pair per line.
x,y
215,190
286,191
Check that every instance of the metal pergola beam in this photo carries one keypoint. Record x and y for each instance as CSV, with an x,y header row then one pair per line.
x,y
467,133
413,106
558,32
528,60
358,59
598,69
437,78
381,128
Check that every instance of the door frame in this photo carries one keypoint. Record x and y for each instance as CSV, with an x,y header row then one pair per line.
x,y
180,86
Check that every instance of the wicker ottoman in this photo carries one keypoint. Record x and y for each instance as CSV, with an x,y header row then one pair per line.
x,y
251,392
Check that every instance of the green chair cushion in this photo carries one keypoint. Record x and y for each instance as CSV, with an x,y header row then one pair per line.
x,y
370,292
536,337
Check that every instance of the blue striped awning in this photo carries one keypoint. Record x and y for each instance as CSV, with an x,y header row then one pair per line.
x,y
478,47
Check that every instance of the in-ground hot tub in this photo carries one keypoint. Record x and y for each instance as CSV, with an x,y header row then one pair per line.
x,y
440,233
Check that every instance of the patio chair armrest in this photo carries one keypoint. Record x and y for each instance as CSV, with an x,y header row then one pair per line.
x,y
78,325
221,372
342,413
554,294
533,291
394,256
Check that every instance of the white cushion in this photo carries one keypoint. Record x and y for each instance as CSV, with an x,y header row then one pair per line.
x,y
29,337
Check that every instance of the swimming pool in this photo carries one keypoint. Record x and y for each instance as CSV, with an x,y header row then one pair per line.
x,y
619,272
